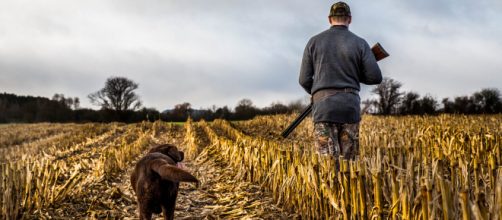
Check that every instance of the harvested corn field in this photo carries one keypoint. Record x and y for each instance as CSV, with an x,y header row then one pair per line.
x,y
82,171
443,167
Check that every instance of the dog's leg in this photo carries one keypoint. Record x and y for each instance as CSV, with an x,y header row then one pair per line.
x,y
144,213
168,206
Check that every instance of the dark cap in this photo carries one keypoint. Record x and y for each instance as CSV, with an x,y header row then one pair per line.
x,y
339,9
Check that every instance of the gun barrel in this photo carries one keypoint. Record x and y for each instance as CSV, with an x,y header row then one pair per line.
x,y
297,121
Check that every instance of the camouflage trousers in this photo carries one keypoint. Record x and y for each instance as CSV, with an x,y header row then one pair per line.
x,y
337,139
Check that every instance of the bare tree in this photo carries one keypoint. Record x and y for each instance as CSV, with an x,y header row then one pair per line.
x,y
76,103
488,101
245,109
222,112
67,102
118,94
297,105
410,103
182,111
428,105
276,108
388,96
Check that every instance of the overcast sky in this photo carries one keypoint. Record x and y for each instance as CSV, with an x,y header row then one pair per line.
x,y
221,51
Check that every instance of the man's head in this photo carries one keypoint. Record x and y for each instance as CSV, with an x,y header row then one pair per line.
x,y
339,14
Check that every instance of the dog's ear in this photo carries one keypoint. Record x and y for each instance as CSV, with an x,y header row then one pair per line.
x,y
164,149
176,154
182,155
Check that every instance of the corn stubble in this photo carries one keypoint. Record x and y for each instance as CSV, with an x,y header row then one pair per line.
x,y
414,167
444,167
34,181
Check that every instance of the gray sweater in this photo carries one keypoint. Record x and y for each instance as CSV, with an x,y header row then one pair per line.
x,y
337,58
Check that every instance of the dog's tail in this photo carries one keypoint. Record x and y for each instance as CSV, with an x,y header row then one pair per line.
x,y
170,172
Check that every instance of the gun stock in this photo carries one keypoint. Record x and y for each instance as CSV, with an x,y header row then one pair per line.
x,y
379,53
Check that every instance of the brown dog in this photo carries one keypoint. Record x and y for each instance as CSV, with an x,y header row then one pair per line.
x,y
155,181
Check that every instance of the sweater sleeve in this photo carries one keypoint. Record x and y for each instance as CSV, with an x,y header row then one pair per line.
x,y
370,74
307,70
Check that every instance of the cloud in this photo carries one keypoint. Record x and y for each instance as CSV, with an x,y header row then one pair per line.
x,y
219,52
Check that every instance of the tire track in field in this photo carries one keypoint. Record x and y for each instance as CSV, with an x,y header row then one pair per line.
x,y
114,197
220,194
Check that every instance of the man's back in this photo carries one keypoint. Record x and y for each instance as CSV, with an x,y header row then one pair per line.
x,y
338,59
338,54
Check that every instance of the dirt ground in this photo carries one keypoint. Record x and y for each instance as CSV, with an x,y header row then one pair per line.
x,y
219,196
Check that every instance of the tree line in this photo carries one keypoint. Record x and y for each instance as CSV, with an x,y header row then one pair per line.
x,y
392,101
29,109
119,102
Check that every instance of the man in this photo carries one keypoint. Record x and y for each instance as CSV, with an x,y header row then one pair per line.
x,y
334,64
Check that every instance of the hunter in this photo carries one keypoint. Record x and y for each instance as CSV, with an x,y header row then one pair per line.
x,y
334,64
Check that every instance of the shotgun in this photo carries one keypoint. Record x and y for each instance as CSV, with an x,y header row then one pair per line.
x,y
379,53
